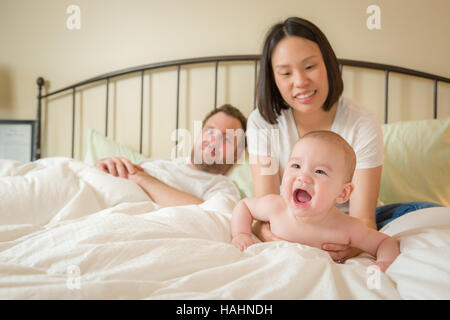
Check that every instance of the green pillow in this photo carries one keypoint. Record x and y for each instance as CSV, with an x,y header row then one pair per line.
x,y
416,162
241,175
99,147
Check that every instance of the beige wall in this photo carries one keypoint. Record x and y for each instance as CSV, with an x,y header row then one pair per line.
x,y
34,41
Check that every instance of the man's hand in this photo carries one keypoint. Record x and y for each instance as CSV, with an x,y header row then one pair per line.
x,y
118,167
141,177
242,241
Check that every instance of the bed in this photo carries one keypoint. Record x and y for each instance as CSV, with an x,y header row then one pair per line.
x,y
69,231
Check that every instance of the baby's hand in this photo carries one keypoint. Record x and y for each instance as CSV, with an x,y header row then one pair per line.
x,y
242,241
383,265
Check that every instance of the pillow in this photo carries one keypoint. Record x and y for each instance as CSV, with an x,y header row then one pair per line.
x,y
241,175
416,162
99,147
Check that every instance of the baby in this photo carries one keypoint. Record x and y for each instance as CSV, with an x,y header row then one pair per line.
x,y
317,176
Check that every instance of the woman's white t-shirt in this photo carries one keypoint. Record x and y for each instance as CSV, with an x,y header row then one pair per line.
x,y
357,125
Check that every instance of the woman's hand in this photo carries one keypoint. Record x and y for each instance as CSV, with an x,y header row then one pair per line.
x,y
340,252
262,231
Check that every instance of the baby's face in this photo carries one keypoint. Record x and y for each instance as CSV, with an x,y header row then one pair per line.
x,y
314,177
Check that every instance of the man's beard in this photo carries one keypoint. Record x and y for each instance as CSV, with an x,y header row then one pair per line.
x,y
214,168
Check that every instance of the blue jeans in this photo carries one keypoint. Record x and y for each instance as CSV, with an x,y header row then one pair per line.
x,y
387,213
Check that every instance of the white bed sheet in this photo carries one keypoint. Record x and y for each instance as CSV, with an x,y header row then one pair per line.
x,y
69,231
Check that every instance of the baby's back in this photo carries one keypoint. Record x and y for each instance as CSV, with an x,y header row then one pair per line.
x,y
334,229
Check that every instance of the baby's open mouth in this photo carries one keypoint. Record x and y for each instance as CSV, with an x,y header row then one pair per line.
x,y
301,197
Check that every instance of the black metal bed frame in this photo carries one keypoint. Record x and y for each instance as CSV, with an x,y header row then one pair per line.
x,y
216,60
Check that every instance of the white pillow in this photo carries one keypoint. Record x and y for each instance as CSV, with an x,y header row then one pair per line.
x,y
416,161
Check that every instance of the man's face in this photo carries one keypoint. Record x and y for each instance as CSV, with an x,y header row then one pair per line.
x,y
216,149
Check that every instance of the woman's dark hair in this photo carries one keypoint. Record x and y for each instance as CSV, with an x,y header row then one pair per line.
x,y
269,100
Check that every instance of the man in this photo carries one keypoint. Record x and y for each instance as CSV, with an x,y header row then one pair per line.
x,y
174,183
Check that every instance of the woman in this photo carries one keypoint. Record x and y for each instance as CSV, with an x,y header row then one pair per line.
x,y
299,90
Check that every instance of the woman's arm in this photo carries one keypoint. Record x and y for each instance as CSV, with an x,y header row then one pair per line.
x,y
363,200
363,203
265,175
264,184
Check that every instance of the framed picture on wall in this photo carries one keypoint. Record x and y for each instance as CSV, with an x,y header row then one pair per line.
x,y
17,140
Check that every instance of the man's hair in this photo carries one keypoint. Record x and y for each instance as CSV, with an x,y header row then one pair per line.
x,y
270,102
231,111
336,139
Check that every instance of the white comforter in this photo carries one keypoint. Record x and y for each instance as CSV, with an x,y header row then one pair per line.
x,y
69,231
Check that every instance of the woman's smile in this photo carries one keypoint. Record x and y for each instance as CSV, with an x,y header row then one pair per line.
x,y
306,97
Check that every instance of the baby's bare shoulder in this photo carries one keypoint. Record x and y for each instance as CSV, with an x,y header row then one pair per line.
x,y
263,208
272,202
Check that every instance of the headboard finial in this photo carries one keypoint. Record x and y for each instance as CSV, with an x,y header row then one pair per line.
x,y
40,81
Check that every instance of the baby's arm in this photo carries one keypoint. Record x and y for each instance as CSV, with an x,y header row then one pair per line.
x,y
378,244
246,210
387,252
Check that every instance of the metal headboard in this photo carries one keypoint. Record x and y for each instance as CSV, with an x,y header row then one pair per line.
x,y
216,60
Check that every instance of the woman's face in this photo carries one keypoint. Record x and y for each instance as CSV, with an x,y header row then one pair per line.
x,y
300,74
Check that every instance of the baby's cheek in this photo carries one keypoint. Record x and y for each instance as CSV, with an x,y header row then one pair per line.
x,y
285,191
324,198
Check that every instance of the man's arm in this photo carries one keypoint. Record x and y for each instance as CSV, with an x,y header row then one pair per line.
x,y
161,193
